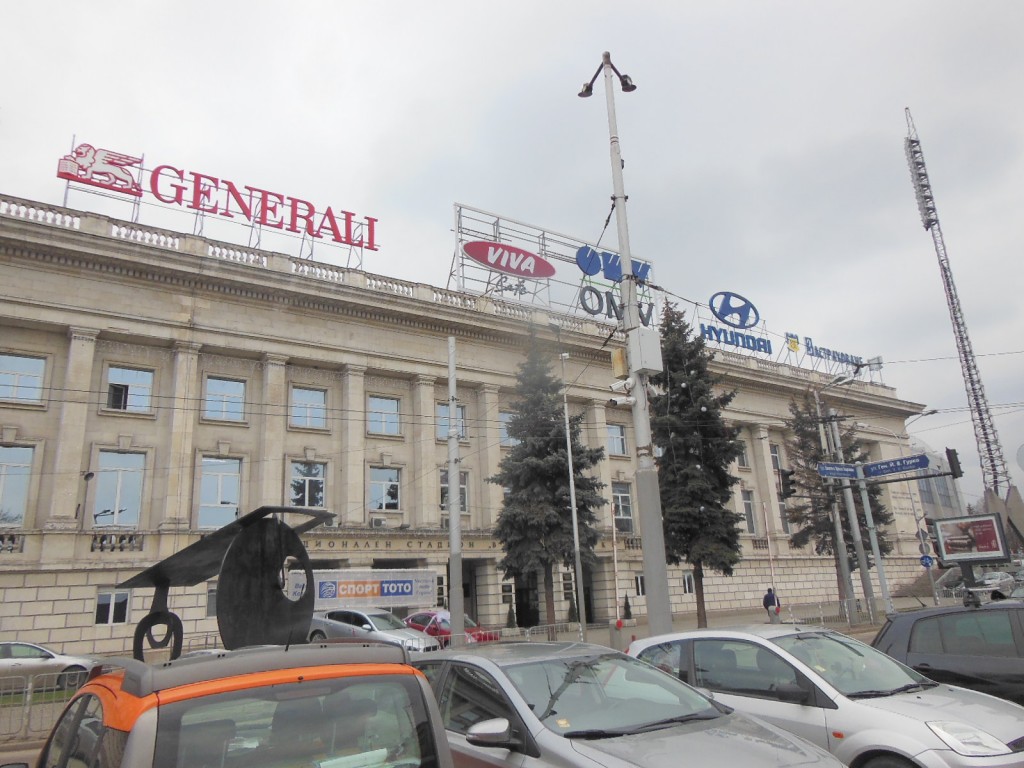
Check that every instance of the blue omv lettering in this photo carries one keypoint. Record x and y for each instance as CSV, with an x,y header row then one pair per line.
x,y
592,262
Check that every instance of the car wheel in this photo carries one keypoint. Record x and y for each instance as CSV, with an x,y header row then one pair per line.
x,y
888,761
317,637
71,678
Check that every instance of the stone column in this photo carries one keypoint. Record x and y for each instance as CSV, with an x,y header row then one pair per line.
x,y
595,435
488,496
423,507
351,496
764,476
74,413
177,472
270,463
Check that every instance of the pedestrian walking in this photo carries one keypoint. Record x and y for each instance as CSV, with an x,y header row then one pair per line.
x,y
772,606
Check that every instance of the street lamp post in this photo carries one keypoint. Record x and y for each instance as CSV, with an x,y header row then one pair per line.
x,y
581,608
918,521
837,523
643,347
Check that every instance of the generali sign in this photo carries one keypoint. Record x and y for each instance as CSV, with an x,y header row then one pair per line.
x,y
209,194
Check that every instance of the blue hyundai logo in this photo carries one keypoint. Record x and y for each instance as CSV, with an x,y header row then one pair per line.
x,y
732,309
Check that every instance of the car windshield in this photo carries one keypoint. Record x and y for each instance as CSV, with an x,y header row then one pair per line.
x,y
357,721
851,667
605,695
385,621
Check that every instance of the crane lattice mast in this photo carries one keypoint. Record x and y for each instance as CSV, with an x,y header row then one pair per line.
x,y
993,466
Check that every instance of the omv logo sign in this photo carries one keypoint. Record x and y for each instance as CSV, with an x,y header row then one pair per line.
x,y
732,309
608,265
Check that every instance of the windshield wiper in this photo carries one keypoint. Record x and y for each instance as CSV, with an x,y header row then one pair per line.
x,y
705,715
891,692
596,733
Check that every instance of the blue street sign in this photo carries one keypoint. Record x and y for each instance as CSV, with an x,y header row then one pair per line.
x,y
832,469
927,561
892,466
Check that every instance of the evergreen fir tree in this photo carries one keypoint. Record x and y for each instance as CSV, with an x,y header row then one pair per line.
x,y
697,448
534,525
809,512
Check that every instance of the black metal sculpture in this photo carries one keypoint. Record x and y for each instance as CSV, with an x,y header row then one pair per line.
x,y
252,556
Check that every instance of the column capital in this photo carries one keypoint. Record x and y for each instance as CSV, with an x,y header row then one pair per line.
x,y
80,333
355,370
269,358
425,380
187,347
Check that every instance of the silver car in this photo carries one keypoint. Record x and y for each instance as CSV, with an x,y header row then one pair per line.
x,y
21,663
863,706
369,624
576,705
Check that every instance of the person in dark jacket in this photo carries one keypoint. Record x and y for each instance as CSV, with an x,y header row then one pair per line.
x,y
772,606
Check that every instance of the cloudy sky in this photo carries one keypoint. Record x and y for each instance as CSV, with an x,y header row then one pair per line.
x,y
763,146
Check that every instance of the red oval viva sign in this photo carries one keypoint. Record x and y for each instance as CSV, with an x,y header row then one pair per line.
x,y
508,258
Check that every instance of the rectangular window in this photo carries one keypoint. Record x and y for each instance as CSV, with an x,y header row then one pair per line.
x,y
506,440
945,495
309,408
129,389
773,449
225,399
385,485
21,378
15,470
638,584
567,585
119,489
211,601
112,605
748,510
616,440
383,416
622,504
742,461
688,587
219,491
307,488
441,417
463,490
924,488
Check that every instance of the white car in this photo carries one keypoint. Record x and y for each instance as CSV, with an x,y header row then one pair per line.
x,y
369,624
996,581
24,662
866,708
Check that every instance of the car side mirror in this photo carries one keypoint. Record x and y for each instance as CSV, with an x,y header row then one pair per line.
x,y
366,628
492,733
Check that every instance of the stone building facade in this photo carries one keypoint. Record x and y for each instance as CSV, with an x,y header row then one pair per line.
x,y
154,385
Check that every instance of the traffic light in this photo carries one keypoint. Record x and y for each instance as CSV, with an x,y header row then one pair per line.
x,y
786,478
954,464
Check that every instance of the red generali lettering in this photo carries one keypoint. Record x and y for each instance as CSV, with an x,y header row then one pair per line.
x,y
208,194
221,197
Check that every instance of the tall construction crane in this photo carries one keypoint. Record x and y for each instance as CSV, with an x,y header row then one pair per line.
x,y
995,474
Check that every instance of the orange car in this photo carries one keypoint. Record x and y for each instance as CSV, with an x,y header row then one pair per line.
x,y
305,706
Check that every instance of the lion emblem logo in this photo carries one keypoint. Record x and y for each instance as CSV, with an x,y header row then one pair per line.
x,y
100,168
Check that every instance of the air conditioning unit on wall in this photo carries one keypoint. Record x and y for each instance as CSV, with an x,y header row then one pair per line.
x,y
378,522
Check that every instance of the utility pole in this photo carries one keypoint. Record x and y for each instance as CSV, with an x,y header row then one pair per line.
x,y
456,604
644,351
851,510
839,543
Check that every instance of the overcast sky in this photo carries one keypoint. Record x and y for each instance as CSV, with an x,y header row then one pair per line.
x,y
763,146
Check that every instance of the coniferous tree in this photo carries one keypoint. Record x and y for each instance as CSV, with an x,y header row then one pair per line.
x,y
809,512
535,522
697,448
